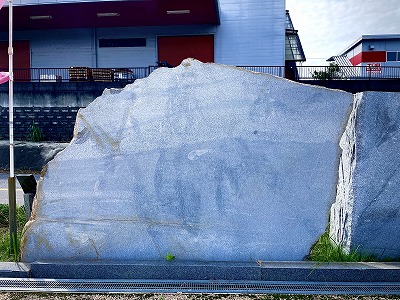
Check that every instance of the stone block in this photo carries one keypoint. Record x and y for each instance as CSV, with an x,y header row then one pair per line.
x,y
366,214
203,161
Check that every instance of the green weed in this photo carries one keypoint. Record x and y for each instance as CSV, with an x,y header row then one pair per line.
x,y
5,250
4,215
35,133
326,250
169,257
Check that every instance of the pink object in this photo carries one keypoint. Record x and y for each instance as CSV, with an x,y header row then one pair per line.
x,y
2,3
4,76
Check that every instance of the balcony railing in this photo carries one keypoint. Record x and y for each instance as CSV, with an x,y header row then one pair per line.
x,y
74,74
374,71
274,70
331,72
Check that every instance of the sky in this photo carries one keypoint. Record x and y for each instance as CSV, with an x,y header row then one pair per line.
x,y
326,27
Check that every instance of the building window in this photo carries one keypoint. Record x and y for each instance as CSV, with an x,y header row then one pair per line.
x,y
393,56
134,42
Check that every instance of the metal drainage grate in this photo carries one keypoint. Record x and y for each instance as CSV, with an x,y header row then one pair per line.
x,y
195,286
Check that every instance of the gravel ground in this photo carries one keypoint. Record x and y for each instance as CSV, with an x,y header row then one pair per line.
x,y
40,296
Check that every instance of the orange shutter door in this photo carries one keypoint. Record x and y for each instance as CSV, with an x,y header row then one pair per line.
x,y
3,56
21,59
174,49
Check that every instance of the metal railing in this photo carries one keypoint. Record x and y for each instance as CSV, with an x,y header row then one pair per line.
x,y
74,74
347,72
273,70
330,72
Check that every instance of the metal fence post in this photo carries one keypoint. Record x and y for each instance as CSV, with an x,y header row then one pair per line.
x,y
12,215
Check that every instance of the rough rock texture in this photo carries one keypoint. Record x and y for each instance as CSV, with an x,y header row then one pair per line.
x,y
366,214
204,161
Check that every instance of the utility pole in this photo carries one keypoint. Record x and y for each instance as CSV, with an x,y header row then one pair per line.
x,y
11,180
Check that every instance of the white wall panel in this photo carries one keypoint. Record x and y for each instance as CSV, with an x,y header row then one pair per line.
x,y
62,48
126,56
354,51
252,32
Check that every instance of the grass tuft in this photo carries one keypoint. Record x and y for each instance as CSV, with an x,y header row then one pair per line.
x,y
326,250
5,250
169,257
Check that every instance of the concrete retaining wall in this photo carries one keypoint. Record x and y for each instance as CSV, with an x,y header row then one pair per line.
x,y
29,156
55,123
59,94
357,86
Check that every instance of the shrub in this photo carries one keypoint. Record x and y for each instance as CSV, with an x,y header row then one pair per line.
x,y
331,72
35,133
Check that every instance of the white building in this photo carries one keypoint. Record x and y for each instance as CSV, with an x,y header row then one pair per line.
x,y
373,55
121,34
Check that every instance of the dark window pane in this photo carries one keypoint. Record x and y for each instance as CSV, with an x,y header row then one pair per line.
x,y
391,56
135,42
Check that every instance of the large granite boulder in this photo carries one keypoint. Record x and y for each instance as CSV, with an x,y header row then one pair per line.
x,y
205,162
366,214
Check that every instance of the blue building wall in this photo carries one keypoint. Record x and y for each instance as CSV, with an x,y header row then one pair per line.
x,y
384,45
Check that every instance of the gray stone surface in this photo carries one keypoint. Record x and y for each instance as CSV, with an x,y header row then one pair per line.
x,y
207,162
366,214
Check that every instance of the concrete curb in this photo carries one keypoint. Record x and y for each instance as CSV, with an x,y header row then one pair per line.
x,y
14,270
261,271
